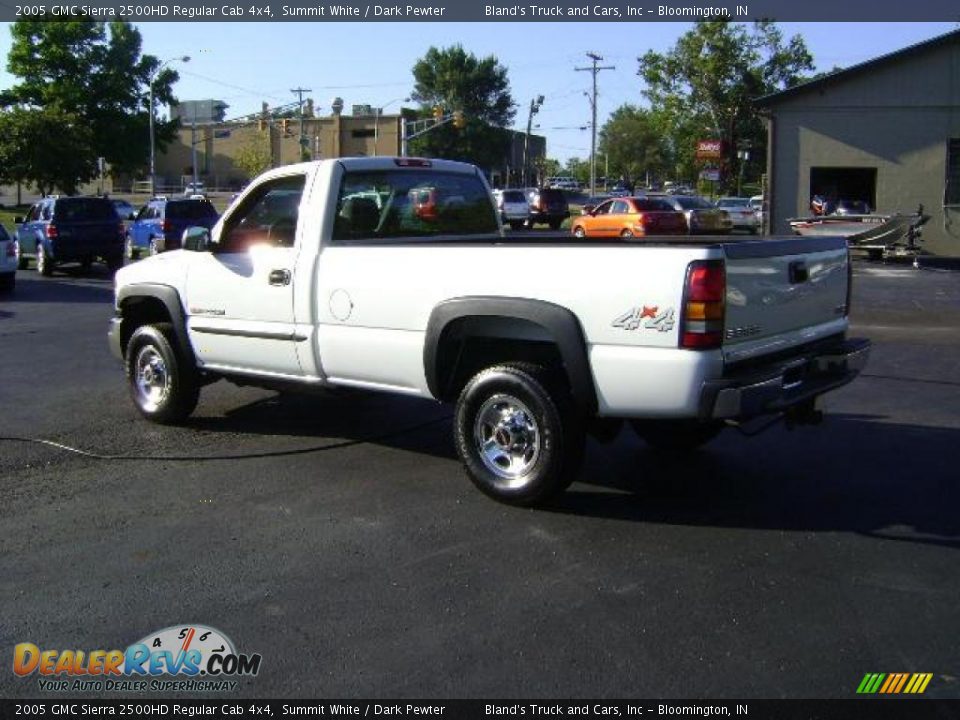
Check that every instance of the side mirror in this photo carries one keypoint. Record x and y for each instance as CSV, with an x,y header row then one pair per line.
x,y
18,220
196,239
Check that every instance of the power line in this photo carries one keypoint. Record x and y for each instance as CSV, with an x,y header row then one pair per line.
x,y
595,69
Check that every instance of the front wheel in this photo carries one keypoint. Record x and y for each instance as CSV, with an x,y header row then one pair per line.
x,y
579,232
131,252
518,434
163,385
676,435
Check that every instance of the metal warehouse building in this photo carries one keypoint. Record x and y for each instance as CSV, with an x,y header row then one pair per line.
x,y
886,132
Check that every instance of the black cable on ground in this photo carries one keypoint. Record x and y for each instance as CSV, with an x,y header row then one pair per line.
x,y
245,456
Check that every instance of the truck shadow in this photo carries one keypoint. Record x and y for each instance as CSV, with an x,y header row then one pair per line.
x,y
855,473
95,288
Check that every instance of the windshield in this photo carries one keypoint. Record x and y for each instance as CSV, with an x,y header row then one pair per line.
x,y
733,202
693,203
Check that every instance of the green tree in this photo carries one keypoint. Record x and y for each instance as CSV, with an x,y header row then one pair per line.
x,y
45,147
705,86
634,144
95,72
255,156
578,169
455,80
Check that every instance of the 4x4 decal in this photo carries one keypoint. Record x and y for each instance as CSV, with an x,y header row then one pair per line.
x,y
647,317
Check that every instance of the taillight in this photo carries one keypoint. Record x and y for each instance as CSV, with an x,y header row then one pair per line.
x,y
167,226
703,305
52,231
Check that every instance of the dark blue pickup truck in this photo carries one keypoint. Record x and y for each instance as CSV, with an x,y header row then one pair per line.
x,y
70,229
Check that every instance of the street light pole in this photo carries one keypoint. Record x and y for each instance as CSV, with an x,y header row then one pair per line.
x,y
376,121
153,154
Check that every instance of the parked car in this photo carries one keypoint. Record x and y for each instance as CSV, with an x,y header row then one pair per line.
x,y
562,182
629,217
197,188
512,206
548,206
9,260
160,224
701,214
125,211
742,216
70,229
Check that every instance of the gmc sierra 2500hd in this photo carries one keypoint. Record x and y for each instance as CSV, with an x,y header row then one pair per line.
x,y
393,274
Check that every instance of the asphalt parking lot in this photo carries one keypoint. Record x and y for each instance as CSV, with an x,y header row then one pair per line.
x,y
784,565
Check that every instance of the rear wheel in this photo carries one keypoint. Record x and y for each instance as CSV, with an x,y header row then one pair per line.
x,y
154,246
8,282
114,262
676,435
518,434
163,385
129,250
627,233
516,224
22,261
555,224
44,262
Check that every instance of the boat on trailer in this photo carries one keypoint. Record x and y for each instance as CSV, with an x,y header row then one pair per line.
x,y
880,235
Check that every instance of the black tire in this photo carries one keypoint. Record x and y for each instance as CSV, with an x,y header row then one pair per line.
x,y
529,224
579,232
524,407
86,264
44,262
627,233
555,224
516,224
676,435
23,262
163,385
8,281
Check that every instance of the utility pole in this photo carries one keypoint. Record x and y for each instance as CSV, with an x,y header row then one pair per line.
x,y
594,68
534,109
299,91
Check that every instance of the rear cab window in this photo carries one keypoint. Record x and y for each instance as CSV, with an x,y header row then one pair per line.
x,y
82,209
190,210
402,204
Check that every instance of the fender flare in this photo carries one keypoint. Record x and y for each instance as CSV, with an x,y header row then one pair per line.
x,y
559,323
171,300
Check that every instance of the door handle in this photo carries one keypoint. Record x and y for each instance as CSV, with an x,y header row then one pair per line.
x,y
279,277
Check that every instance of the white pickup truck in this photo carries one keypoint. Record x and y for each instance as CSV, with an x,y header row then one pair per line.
x,y
394,274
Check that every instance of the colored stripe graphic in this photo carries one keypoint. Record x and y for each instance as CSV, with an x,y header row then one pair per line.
x,y
894,683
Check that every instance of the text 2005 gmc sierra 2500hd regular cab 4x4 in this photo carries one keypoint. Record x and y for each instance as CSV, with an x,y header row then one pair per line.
x,y
393,274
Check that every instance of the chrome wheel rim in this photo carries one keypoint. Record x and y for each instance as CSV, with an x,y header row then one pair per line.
x,y
153,246
507,438
41,259
128,249
579,232
151,378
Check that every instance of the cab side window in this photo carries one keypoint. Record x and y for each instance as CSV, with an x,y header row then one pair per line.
x,y
603,208
268,216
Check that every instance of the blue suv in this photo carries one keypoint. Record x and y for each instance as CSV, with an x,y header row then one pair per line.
x,y
160,224
70,229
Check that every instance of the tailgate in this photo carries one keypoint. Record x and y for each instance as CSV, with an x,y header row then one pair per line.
x,y
87,236
783,292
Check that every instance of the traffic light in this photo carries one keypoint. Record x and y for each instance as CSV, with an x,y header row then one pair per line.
x,y
459,121
437,112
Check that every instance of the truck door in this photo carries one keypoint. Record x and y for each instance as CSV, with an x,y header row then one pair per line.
x,y
240,295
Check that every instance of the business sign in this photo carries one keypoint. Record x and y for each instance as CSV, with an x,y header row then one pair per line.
x,y
709,149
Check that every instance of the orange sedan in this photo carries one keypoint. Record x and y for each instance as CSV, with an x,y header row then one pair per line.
x,y
629,217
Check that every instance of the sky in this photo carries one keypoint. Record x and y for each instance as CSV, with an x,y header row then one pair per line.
x,y
245,64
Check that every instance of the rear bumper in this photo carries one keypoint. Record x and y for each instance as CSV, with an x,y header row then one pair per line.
x,y
784,385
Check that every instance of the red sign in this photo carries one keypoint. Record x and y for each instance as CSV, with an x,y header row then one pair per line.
x,y
709,149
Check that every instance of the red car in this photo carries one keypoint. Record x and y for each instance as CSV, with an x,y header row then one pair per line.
x,y
629,217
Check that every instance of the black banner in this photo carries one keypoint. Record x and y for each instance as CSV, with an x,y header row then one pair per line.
x,y
879,709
